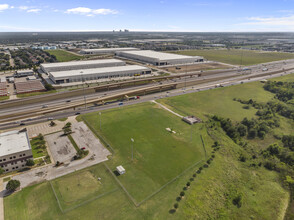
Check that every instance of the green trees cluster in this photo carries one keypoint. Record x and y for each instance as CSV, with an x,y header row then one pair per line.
x,y
67,128
12,185
283,153
284,90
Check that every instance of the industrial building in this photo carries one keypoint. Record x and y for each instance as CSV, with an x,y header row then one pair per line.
x,y
15,150
97,73
77,65
158,58
106,50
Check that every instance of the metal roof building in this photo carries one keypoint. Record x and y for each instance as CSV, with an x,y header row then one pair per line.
x,y
77,65
159,58
97,73
106,50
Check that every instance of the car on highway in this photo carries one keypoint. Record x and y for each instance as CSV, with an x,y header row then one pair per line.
x,y
49,119
68,100
77,113
121,103
265,69
44,106
21,124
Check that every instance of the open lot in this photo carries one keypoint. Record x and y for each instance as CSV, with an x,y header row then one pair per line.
x,y
238,57
64,56
196,67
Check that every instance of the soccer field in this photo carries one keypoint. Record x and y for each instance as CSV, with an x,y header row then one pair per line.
x,y
159,155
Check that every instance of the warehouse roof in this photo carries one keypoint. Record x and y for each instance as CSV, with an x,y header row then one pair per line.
x,y
13,142
98,70
110,49
78,63
158,55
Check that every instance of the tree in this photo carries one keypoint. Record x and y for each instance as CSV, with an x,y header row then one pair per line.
x,y
176,205
1,170
52,123
182,194
30,163
242,130
12,185
252,133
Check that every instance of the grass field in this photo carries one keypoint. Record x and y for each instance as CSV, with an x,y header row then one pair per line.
x,y
158,157
64,56
219,101
155,149
238,57
85,184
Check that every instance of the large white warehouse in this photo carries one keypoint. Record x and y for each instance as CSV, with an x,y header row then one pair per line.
x,y
97,73
158,58
106,50
77,65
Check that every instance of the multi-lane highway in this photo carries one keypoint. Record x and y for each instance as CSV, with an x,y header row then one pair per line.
x,y
206,82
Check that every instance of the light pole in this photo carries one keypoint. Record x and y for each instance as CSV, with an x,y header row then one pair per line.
x,y
100,119
84,90
132,148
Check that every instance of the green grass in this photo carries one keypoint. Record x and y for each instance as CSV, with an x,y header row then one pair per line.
x,y
39,202
73,142
62,119
155,149
6,179
238,57
85,184
212,193
2,98
35,93
37,152
219,101
64,56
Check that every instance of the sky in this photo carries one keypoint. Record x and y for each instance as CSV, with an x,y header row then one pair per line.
x,y
147,15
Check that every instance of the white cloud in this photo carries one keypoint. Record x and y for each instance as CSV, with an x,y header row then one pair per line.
x,y
90,12
4,7
280,21
23,8
34,10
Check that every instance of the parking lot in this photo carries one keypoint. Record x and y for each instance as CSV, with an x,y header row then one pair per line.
x,y
60,147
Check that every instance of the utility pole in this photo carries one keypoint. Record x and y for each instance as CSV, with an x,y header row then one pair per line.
x,y
132,148
83,82
100,119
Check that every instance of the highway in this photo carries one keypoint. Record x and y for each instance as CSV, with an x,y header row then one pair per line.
x,y
235,77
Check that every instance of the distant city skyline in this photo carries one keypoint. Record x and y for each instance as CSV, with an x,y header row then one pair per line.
x,y
152,15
